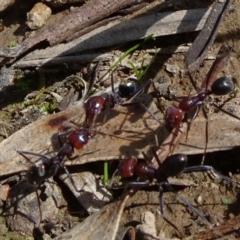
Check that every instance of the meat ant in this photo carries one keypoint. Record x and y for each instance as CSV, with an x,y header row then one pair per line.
x,y
172,166
222,86
49,167
127,90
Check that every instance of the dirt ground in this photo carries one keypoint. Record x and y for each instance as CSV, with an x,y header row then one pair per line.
x,y
217,200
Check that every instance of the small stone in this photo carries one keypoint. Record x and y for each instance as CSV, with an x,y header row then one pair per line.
x,y
199,200
5,4
4,190
38,16
172,68
147,229
6,77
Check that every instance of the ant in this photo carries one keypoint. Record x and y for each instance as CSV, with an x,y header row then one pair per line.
x,y
172,166
128,89
222,86
49,167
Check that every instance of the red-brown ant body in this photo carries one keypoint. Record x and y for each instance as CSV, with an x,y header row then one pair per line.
x,y
172,166
48,167
222,86
103,102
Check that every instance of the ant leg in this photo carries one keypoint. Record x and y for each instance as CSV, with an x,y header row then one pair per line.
x,y
185,201
71,178
135,185
161,199
80,155
39,206
225,111
156,157
208,168
206,139
142,105
190,120
110,184
150,113
106,111
72,181
22,153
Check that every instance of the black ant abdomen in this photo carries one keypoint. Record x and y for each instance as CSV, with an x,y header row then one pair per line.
x,y
173,165
223,85
128,88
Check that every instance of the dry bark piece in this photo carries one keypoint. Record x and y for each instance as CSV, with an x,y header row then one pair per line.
x,y
92,195
83,58
138,133
229,226
119,32
203,42
4,4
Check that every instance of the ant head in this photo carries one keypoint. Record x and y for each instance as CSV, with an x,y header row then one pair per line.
x,y
127,166
174,116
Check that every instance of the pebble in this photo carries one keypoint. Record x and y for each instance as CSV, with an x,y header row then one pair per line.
x,y
4,4
6,77
38,16
172,68
147,229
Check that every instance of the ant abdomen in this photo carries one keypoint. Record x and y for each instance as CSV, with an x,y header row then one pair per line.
x,y
223,85
128,88
79,137
173,165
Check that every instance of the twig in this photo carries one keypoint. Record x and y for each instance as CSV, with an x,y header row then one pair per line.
x,y
90,13
204,41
